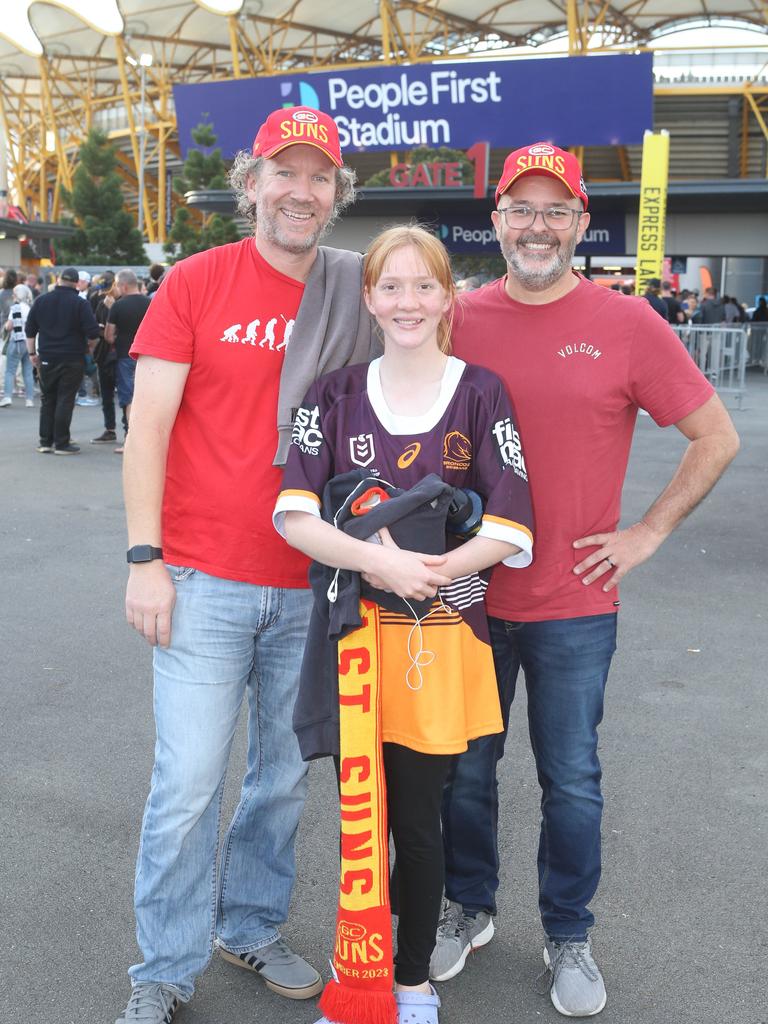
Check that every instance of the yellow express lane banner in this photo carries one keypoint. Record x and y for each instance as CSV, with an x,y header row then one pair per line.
x,y
653,208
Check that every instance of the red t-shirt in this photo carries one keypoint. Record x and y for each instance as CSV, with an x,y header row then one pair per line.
x,y
577,370
229,314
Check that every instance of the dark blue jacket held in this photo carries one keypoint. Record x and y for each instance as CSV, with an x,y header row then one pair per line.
x,y
416,519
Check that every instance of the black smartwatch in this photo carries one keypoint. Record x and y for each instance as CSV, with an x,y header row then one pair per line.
x,y
143,553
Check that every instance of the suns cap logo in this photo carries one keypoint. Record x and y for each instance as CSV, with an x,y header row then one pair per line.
x,y
305,115
409,455
542,150
457,450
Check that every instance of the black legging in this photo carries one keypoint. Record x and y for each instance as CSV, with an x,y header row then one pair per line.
x,y
414,793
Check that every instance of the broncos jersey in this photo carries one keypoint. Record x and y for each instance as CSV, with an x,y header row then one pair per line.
x,y
469,438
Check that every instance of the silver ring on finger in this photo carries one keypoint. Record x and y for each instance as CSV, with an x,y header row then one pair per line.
x,y
611,563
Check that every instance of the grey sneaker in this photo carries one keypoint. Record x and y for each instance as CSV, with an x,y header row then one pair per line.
x,y
150,1004
283,970
457,935
576,985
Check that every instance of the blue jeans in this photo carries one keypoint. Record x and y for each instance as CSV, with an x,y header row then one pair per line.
x,y
17,353
125,376
228,640
566,663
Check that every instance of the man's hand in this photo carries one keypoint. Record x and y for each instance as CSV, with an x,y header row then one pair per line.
x,y
617,553
408,574
149,600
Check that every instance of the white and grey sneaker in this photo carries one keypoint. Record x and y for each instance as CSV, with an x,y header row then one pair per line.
x,y
457,935
576,985
150,1004
283,970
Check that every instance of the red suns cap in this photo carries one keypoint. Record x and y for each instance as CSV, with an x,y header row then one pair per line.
x,y
291,126
543,158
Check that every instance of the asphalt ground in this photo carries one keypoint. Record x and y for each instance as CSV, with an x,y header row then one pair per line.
x,y
681,911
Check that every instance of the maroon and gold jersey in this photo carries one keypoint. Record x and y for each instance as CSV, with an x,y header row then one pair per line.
x,y
470,439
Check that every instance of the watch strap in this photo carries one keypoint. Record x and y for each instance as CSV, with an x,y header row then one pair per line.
x,y
143,553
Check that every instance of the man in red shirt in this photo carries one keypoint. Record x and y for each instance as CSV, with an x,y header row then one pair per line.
x,y
579,361
231,341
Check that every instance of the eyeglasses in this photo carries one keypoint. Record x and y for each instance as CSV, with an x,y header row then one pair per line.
x,y
556,218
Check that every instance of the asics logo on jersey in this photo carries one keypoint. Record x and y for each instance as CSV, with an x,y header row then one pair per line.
x,y
361,450
579,348
457,450
306,433
509,447
409,455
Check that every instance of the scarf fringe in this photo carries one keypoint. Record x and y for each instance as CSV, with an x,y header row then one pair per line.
x,y
345,1005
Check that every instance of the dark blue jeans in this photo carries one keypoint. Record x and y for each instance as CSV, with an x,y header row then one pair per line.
x,y
566,663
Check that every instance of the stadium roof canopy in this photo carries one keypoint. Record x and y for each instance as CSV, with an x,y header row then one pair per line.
x,y
68,65
263,36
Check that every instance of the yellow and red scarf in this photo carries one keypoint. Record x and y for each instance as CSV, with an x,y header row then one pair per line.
x,y
362,962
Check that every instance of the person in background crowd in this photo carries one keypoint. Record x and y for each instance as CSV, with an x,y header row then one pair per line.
x,y
106,361
734,313
578,362
10,280
123,321
689,301
760,315
86,393
63,326
675,313
711,310
17,354
653,297
221,597
83,283
100,286
33,282
156,272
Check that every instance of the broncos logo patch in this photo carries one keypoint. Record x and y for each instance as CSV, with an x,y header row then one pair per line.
x,y
457,450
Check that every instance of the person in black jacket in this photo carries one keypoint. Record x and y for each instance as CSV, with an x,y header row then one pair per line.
x,y
63,325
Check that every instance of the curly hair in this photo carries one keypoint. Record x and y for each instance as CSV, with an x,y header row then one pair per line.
x,y
247,166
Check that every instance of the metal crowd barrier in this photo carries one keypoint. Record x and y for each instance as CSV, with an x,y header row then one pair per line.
x,y
757,345
720,352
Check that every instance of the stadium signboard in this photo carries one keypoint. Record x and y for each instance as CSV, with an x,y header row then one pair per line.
x,y
585,101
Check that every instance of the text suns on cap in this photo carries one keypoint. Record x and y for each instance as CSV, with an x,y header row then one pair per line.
x,y
305,115
541,150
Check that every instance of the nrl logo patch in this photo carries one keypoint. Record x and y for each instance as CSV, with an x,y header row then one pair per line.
x,y
361,450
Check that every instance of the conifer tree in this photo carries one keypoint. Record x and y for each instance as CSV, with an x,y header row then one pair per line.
x,y
202,170
105,231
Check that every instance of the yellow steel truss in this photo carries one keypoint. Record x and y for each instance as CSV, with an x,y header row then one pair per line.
x,y
46,116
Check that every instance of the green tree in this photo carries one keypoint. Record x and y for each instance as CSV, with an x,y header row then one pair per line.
x,y
425,155
190,233
105,232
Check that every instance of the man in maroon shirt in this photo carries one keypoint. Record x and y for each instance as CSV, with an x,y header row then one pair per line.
x,y
579,361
